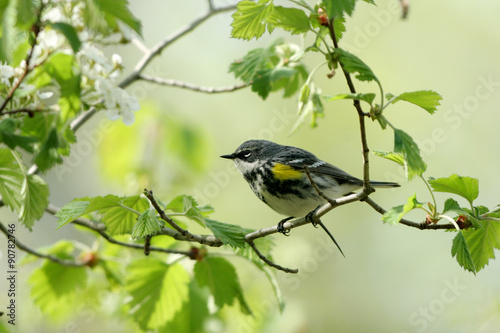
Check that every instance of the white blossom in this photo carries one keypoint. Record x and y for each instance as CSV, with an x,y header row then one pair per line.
x,y
6,72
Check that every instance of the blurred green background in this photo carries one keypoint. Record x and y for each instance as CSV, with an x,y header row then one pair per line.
x,y
393,279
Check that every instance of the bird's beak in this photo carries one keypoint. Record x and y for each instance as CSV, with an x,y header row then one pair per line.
x,y
230,157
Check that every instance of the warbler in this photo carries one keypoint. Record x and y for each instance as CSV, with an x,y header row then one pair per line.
x,y
276,174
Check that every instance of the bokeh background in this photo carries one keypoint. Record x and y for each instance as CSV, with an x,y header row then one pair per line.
x,y
394,278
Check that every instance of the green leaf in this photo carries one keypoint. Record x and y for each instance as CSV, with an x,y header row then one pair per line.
x,y
289,19
188,206
35,194
49,153
119,213
70,33
104,14
229,234
193,314
13,140
71,211
368,98
158,291
461,251
11,179
483,242
451,205
337,8
54,284
147,225
426,99
398,158
250,19
339,27
394,215
62,67
465,187
219,275
353,64
247,68
414,164
26,13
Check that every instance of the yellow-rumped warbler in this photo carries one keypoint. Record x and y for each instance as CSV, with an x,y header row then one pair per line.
x,y
276,175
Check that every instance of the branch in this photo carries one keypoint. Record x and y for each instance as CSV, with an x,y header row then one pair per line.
x,y
29,250
361,115
158,48
27,69
190,86
421,226
269,262
101,230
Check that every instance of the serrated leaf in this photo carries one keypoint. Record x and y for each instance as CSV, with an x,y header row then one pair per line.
x,y
289,19
256,59
13,140
158,291
54,284
394,215
70,212
147,225
368,98
337,8
404,144
483,242
70,33
398,158
35,198
188,206
229,234
465,187
115,213
50,151
353,64
461,251
11,179
219,275
451,205
250,19
426,99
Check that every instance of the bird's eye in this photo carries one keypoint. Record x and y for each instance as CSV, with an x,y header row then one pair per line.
x,y
245,154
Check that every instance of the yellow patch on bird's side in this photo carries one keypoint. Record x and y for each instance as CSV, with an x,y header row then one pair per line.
x,y
284,172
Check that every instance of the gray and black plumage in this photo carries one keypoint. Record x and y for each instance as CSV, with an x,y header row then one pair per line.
x,y
276,175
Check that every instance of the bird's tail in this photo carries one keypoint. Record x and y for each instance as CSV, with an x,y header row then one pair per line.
x,y
383,184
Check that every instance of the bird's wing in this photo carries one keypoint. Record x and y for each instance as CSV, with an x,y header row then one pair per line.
x,y
317,166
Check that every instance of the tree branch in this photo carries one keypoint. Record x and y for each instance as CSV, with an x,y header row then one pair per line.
x,y
101,230
421,226
158,48
28,59
29,250
361,116
269,262
190,86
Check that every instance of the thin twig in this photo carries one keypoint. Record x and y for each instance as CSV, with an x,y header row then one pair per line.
x,y
158,48
318,190
190,86
101,230
421,226
27,69
166,218
269,262
29,250
361,115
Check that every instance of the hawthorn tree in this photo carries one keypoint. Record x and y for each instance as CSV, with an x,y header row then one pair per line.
x,y
55,76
